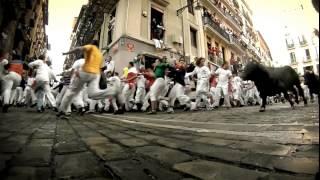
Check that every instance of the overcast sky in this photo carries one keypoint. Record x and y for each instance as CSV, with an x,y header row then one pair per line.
x,y
269,17
61,16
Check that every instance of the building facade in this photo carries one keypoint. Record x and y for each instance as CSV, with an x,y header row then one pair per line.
x,y
22,27
219,30
266,57
303,51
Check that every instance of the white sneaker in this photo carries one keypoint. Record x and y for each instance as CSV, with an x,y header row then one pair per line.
x,y
170,110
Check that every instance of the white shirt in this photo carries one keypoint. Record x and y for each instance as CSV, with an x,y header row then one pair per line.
x,y
2,64
141,81
77,65
110,66
237,81
223,76
133,70
202,72
114,81
30,81
44,73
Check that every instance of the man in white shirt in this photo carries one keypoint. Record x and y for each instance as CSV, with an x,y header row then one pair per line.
x,y
28,93
115,82
237,90
4,56
203,75
141,89
42,79
224,75
109,65
130,86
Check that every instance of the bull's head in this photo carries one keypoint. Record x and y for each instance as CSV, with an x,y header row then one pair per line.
x,y
250,71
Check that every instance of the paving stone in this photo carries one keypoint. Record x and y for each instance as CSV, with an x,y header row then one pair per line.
x,y
133,142
66,138
214,141
4,134
309,151
44,135
272,149
22,139
212,170
41,142
118,136
69,147
139,168
162,154
109,152
4,158
34,173
95,140
226,154
84,133
297,165
172,143
259,160
148,137
98,178
77,165
275,176
34,156
10,146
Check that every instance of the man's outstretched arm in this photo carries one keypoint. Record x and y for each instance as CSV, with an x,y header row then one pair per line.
x,y
75,50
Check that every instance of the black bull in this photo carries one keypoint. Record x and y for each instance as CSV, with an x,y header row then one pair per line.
x,y
271,81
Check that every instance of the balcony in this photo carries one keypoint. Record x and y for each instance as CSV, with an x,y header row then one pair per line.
x,y
216,28
290,46
237,44
226,17
303,43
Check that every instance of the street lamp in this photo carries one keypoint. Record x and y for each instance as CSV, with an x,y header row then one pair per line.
x,y
197,7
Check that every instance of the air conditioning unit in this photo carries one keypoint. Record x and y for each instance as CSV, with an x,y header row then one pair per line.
x,y
176,39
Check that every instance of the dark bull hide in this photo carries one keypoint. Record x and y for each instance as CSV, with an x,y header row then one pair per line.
x,y
313,83
272,81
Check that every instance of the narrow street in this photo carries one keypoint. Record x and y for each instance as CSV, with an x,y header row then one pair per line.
x,y
230,144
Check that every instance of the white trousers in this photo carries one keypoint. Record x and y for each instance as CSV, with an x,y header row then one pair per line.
x,y
9,83
43,92
157,89
202,91
222,91
140,94
76,85
17,96
238,95
29,95
128,94
60,95
178,92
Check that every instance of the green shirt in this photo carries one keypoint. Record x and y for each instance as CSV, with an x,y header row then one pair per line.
x,y
160,70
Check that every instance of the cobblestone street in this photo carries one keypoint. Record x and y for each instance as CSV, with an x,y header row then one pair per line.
x,y
230,144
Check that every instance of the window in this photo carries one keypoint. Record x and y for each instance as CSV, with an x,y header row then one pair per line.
x,y
293,57
223,54
156,24
111,26
308,54
193,35
190,7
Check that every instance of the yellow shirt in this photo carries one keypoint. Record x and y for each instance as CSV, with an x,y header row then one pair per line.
x,y
93,59
125,72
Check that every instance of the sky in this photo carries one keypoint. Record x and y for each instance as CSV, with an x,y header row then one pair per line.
x,y
61,17
269,17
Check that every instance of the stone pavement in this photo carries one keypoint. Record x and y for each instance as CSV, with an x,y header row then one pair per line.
x,y
223,144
